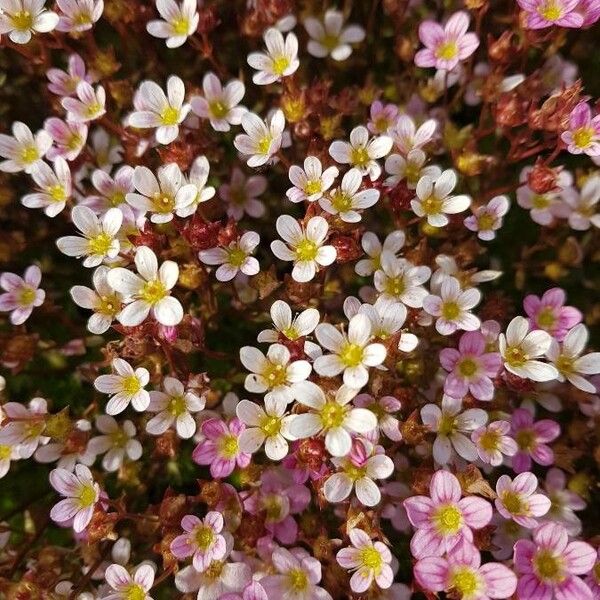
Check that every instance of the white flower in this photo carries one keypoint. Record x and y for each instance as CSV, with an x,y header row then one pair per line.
x,y
112,190
99,240
583,205
125,386
453,428
79,15
292,328
103,300
452,307
174,407
23,150
268,426
262,139
373,249
346,200
304,246
235,258
155,109
448,267
570,364
331,38
311,182
89,104
487,219
434,200
25,426
399,279
198,177
180,21
358,470
21,18
520,347
148,292
116,441
351,354
407,137
412,168
334,417
241,195
54,185
273,373
129,587
220,104
280,59
361,152
163,196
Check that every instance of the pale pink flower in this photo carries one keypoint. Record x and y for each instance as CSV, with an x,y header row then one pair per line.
x,y
329,36
407,136
81,495
25,427
470,368
125,386
487,219
220,104
262,139
21,294
409,169
64,83
69,138
54,187
22,18
583,134
112,189
23,150
369,560
461,572
179,21
235,258
202,540
443,519
384,409
493,442
220,448
310,183
550,314
564,502
547,13
383,118
392,244
518,501
89,104
126,586
583,205
241,195
280,59
78,15
532,440
253,591
446,46
549,566
116,442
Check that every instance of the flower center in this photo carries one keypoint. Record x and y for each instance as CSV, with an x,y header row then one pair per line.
x,y
108,305
332,414
330,41
450,310
57,193
525,439
313,187
490,440
131,385
565,364
119,438
447,50
280,65
515,356
74,141
341,201
270,425
291,333
177,405
513,503
298,580
26,296
274,508
180,25
596,571
93,109
153,291
204,536
100,244
486,221
447,424
87,496
464,581
116,199
170,116
82,18
275,374
448,520
359,157
134,591
264,144
431,205
5,452
371,558
467,367
228,445
551,10
351,355
306,250
238,196
546,318
236,257
218,109
22,20
355,472
163,203
395,286
412,172
540,201
29,154
548,566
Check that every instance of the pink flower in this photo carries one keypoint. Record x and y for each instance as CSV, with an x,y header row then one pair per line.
x,y
583,134
493,442
532,440
22,294
461,571
64,83
564,502
253,591
129,587
69,138
593,578
470,368
369,561
486,219
517,501
549,565
444,519
220,448
550,314
546,13
383,118
446,47
81,494
201,540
